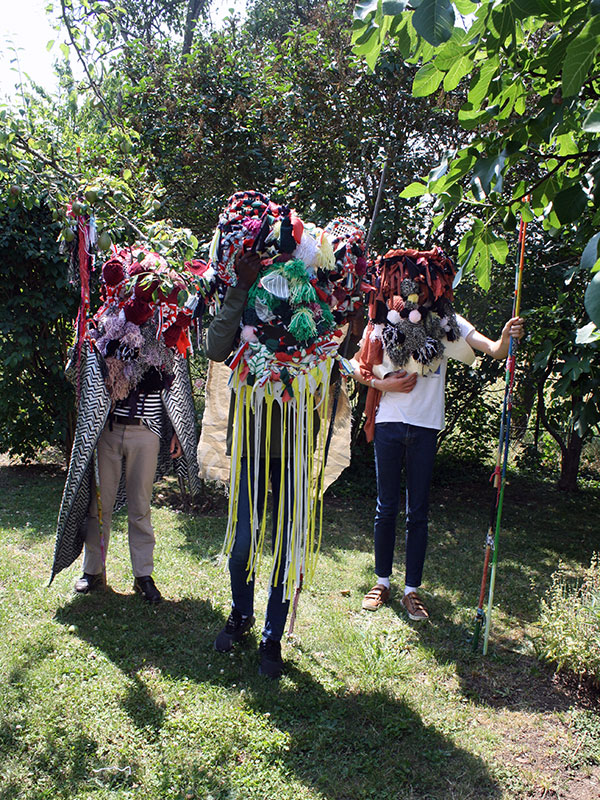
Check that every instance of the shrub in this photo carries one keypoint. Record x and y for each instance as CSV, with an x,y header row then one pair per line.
x,y
570,623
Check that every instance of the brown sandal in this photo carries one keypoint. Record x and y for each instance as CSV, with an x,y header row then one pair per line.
x,y
376,597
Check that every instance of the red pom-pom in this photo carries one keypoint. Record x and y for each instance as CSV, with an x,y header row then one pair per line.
x,y
137,311
113,272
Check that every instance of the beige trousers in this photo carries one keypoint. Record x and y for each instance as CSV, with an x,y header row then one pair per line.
x,y
139,447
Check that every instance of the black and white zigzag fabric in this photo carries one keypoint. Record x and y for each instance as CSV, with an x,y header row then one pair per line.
x,y
94,408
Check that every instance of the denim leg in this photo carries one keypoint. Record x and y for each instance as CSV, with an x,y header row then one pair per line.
x,y
242,585
389,457
420,454
277,607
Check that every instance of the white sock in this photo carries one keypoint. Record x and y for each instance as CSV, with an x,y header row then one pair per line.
x,y
383,581
409,589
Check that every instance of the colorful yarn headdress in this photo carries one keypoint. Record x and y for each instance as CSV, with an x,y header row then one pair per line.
x,y
411,310
143,320
289,337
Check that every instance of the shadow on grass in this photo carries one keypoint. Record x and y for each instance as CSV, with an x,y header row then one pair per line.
x,y
345,744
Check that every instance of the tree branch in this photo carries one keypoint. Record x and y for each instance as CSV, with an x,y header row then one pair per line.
x,y
93,83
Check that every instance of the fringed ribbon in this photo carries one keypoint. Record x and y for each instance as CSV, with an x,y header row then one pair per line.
x,y
298,534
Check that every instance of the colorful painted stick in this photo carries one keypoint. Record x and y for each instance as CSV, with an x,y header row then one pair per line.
x,y
499,475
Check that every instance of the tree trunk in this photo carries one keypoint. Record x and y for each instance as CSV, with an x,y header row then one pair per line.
x,y
193,12
569,463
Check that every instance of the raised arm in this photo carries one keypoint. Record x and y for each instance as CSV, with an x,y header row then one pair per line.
x,y
499,349
221,333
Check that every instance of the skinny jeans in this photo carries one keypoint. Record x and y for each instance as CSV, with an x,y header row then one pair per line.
x,y
398,444
242,583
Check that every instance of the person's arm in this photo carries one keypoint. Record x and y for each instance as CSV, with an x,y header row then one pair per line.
x,y
499,349
221,333
400,381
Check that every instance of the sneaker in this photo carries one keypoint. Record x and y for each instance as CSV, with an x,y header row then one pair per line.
x,y
147,588
414,607
271,663
89,583
236,627
376,597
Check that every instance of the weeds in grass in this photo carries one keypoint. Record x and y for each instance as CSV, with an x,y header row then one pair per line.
x,y
570,623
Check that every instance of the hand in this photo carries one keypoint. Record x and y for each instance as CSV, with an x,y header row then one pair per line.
x,y
515,328
400,381
175,447
247,266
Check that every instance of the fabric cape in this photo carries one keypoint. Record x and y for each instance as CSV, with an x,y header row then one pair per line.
x,y
94,408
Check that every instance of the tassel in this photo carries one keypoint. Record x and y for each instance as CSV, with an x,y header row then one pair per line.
x,y
302,326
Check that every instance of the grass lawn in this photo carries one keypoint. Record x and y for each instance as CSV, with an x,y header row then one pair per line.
x,y
103,697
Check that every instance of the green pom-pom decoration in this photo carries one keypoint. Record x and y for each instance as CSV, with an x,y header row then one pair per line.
x,y
302,293
303,327
295,270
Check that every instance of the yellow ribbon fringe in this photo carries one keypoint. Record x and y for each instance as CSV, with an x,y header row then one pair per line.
x,y
302,472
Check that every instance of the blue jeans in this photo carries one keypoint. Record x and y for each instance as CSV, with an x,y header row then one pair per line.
x,y
397,443
242,585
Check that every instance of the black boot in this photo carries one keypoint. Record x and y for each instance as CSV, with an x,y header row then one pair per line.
x,y
234,631
89,583
146,587
271,663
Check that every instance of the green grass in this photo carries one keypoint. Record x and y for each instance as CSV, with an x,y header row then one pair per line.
x,y
104,697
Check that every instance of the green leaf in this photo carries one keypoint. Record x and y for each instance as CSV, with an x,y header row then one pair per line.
x,y
453,51
591,123
457,72
487,175
466,6
64,49
569,204
365,7
499,250
483,267
415,189
393,8
50,44
481,83
427,80
580,57
434,21
590,253
588,334
592,299
527,8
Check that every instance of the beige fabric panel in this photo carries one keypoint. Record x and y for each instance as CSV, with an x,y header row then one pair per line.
x,y
212,458
339,451
212,447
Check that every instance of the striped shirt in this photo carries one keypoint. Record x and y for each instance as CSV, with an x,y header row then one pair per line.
x,y
149,410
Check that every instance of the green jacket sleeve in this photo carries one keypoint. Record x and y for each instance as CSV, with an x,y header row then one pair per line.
x,y
221,333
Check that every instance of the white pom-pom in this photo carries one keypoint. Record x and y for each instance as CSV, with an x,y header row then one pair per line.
x,y
415,316
377,332
393,317
248,333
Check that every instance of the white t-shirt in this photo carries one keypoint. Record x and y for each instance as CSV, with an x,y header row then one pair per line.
x,y
424,406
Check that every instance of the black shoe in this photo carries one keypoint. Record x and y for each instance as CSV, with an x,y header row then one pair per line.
x,y
234,631
89,583
271,663
147,588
